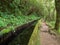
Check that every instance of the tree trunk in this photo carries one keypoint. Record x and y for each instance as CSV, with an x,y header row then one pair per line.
x,y
57,24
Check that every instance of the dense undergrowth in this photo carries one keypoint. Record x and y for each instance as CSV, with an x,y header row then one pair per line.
x,y
18,12
10,22
15,13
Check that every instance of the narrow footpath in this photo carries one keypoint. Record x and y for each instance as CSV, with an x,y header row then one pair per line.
x,y
46,38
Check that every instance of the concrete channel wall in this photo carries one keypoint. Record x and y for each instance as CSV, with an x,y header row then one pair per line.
x,y
35,39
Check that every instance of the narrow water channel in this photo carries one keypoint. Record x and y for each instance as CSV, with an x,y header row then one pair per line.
x,y
22,38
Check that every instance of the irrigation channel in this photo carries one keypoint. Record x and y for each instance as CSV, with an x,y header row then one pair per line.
x,y
7,38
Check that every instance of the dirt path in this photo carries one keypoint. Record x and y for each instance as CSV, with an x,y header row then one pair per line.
x,y
46,38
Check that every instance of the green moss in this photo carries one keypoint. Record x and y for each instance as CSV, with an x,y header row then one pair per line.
x,y
34,40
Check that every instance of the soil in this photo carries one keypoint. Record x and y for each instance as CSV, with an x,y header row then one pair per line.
x,y
46,38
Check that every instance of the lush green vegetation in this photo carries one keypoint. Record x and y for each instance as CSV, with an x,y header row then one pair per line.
x,y
10,22
14,15
18,12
